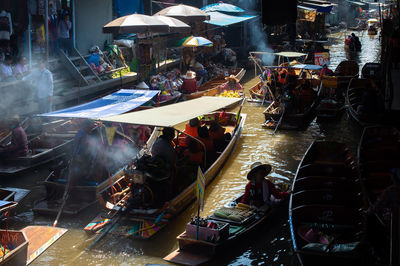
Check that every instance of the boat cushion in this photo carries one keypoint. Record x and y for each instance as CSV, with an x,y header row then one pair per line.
x,y
352,247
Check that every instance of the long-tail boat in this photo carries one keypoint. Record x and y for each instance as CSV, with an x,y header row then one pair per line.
x,y
213,86
235,222
146,221
365,102
303,113
331,104
84,194
326,220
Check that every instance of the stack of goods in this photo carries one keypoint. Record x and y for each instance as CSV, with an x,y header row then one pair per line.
x,y
209,230
230,94
237,214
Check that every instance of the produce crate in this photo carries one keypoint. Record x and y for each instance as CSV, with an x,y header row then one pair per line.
x,y
206,233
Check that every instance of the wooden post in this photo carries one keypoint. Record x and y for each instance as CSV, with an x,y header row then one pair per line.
x,y
46,26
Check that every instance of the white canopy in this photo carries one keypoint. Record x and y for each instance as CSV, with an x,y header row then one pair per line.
x,y
171,115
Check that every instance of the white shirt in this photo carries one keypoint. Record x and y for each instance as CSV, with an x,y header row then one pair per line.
x,y
6,70
42,80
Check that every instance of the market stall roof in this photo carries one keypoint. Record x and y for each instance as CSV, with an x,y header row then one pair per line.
x,y
357,3
307,67
135,23
290,54
322,7
171,115
185,13
221,19
113,104
175,25
222,7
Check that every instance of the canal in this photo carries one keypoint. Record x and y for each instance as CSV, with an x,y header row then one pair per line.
x,y
269,246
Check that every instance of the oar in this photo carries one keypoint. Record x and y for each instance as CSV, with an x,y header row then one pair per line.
x,y
280,120
65,196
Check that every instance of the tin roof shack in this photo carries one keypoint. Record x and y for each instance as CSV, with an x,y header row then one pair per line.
x,y
312,18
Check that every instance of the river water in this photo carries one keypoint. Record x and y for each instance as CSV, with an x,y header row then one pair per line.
x,y
269,246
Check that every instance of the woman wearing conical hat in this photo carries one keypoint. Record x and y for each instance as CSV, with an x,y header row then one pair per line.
x,y
259,190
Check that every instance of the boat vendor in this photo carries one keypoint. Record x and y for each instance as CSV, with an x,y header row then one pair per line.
x,y
232,84
356,42
189,84
259,190
18,147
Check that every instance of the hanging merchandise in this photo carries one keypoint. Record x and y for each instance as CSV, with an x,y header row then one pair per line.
x,y
5,25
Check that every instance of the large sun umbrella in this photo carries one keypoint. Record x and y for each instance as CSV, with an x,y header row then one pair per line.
x,y
222,7
372,20
185,13
195,41
136,23
174,24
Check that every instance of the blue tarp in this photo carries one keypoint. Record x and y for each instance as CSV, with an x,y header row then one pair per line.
x,y
321,8
220,19
307,67
116,103
222,7
127,7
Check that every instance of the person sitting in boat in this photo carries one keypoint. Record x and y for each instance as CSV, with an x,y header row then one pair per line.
x,y
189,84
232,84
163,146
356,41
204,137
259,189
201,72
347,41
18,147
83,153
193,153
282,77
325,71
217,133
191,129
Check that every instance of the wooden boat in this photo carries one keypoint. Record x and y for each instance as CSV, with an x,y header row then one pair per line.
x,y
144,223
326,224
292,121
372,31
43,149
212,87
345,71
378,153
257,94
194,252
365,102
24,246
331,104
14,248
169,99
82,195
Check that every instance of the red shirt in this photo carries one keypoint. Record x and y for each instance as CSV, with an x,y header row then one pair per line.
x,y
189,86
252,188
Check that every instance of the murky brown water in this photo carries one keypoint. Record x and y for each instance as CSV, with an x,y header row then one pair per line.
x,y
269,246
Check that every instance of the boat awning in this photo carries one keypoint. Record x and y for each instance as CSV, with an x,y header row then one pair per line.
x,y
290,54
361,4
307,67
221,19
321,8
171,115
116,103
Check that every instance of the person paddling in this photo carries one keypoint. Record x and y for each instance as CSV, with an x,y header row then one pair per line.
x,y
259,190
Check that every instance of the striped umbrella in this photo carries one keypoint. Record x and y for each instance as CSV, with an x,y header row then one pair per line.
x,y
195,41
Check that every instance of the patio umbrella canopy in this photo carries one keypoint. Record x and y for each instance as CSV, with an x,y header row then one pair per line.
x,y
175,25
222,7
136,23
195,41
185,13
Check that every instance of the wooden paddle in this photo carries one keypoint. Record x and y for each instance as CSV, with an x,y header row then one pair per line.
x,y
66,194
280,119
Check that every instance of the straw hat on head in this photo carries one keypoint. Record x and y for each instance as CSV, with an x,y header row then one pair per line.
x,y
257,166
142,85
190,75
232,77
